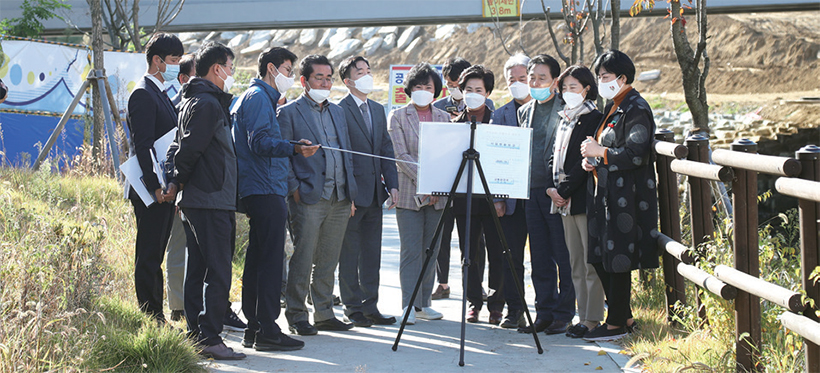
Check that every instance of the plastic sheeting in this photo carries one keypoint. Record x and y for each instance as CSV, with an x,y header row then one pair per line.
x,y
20,135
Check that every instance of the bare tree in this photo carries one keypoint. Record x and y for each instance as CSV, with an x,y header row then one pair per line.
x,y
97,50
694,63
615,28
498,30
576,21
122,21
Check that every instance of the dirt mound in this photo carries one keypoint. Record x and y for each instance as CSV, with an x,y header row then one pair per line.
x,y
750,53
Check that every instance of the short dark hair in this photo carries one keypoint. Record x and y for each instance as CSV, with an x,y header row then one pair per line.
x,y
212,53
163,45
584,76
454,67
421,74
545,59
616,62
306,66
186,65
277,56
477,72
348,64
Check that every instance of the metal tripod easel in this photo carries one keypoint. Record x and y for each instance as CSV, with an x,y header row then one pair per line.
x,y
470,158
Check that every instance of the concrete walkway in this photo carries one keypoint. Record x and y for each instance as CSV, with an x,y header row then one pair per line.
x,y
428,345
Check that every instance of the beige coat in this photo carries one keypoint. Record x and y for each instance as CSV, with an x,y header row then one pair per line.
x,y
403,126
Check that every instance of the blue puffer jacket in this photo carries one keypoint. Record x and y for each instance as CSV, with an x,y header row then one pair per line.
x,y
260,150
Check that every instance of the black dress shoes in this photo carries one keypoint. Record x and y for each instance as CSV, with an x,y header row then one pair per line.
x,y
303,328
514,319
540,326
248,338
379,319
333,324
358,320
558,327
279,342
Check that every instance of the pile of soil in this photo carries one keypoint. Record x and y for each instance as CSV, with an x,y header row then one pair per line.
x,y
751,55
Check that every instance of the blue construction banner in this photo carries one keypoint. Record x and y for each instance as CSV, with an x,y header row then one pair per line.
x,y
22,136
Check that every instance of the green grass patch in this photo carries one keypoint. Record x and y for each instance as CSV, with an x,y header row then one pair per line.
x,y
66,288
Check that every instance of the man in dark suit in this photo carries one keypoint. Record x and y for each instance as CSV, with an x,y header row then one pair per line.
x,y
554,292
150,116
511,211
360,258
321,191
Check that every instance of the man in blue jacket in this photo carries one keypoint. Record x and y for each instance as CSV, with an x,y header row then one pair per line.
x,y
263,184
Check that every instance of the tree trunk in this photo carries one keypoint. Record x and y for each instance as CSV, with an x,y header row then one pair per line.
x,y
97,149
615,29
694,81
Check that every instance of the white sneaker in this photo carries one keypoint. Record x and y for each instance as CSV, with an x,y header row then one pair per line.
x,y
412,319
428,313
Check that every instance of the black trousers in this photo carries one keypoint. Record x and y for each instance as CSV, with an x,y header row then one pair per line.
x,y
443,259
618,290
211,237
262,278
153,230
515,231
475,272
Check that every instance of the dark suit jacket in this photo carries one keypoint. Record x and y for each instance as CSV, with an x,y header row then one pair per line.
x,y
369,171
308,174
150,116
506,116
575,185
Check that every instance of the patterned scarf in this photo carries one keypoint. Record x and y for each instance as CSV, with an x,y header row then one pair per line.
x,y
569,118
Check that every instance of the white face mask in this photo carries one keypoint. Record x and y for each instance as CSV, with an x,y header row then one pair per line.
x,y
572,99
318,95
364,84
474,100
421,97
282,82
456,94
519,90
227,82
609,90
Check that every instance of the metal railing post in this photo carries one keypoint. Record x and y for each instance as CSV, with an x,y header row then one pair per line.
x,y
745,237
669,210
809,157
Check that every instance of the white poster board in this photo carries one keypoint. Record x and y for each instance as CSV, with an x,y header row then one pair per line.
x,y
504,155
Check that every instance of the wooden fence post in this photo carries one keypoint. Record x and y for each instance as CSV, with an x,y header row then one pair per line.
x,y
669,209
700,203
809,157
745,237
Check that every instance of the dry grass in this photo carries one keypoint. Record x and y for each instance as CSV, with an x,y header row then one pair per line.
x,y
66,247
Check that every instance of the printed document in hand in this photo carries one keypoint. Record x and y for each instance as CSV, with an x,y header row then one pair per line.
x,y
133,173
504,155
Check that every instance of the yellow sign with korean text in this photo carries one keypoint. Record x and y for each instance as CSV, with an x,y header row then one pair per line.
x,y
499,8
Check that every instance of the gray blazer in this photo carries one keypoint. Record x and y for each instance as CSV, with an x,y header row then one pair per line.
x,y
506,116
369,171
308,174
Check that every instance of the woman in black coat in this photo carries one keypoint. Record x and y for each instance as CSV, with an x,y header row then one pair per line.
x,y
622,203
567,189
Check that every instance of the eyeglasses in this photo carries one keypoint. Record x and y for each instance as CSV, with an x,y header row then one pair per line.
x,y
233,68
